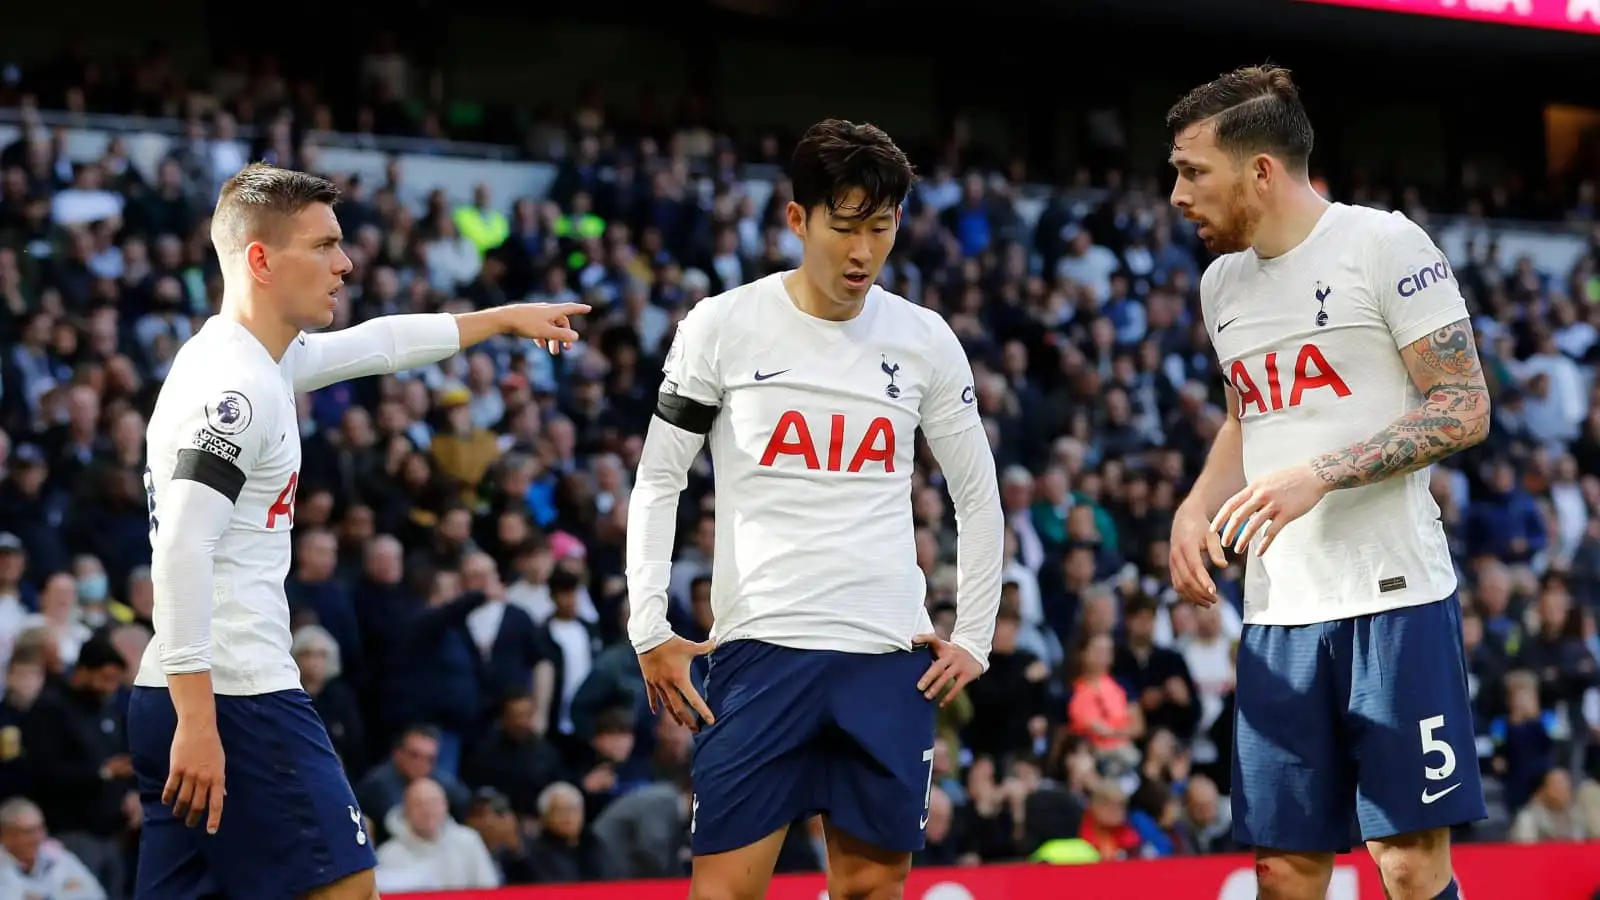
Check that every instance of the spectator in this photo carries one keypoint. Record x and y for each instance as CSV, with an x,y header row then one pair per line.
x,y
1551,815
33,865
430,851
1523,738
78,751
415,757
1009,702
507,841
1106,826
24,682
60,616
1156,677
645,833
567,849
1100,710
322,676
1207,819
515,760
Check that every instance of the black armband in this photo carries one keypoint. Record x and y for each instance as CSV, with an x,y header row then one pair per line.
x,y
681,412
211,470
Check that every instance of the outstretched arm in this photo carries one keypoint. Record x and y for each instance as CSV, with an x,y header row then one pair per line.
x,y
1454,414
395,343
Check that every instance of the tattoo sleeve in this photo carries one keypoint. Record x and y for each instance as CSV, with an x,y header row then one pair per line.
x,y
1454,414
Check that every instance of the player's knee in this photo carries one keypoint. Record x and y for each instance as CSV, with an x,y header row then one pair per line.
x,y
1413,864
1293,876
858,879
867,886
708,889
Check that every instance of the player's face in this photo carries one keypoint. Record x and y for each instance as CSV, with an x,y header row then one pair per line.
x,y
1214,190
845,248
308,269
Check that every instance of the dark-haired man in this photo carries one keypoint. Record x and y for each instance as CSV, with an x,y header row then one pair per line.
x,y
1350,368
218,677
822,687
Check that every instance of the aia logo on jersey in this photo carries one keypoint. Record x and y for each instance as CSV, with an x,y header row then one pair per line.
x,y
282,509
847,449
1270,384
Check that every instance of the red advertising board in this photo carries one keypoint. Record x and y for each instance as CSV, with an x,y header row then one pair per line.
x,y
1544,871
1561,15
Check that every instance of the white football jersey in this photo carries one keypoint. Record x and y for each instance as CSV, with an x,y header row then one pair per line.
x,y
813,453
1311,342
226,417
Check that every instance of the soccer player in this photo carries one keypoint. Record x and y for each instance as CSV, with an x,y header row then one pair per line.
x,y
218,678
1351,368
825,677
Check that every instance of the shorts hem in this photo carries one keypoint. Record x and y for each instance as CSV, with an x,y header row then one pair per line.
x,y
1449,824
1295,846
730,843
339,873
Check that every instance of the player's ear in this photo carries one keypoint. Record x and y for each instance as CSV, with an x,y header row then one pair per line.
x,y
796,214
255,260
1261,169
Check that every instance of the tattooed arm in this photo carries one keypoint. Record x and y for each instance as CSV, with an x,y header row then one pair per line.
x,y
1454,414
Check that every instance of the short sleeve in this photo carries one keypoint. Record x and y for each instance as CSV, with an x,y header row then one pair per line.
x,y
950,404
691,369
1416,289
219,440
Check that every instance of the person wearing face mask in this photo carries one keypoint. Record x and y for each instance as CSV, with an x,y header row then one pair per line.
x,y
97,609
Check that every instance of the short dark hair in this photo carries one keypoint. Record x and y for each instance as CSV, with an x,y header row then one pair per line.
x,y
99,653
254,203
421,730
562,581
1256,109
836,157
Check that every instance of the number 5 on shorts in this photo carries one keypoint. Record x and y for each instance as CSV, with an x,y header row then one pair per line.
x,y
1429,727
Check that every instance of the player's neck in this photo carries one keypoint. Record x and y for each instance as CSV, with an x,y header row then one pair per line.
x,y
1289,222
255,316
803,293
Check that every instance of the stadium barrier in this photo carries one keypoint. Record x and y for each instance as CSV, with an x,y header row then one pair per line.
x,y
1567,871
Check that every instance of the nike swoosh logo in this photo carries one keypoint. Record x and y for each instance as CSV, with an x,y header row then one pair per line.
x,y
1222,325
924,823
1431,798
763,376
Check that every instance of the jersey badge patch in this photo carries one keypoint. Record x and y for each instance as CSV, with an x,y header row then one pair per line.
x,y
229,414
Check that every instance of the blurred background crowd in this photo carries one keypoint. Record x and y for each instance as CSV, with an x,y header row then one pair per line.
x,y
457,588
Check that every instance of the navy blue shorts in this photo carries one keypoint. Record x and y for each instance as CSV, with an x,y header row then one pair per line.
x,y
290,823
802,732
1354,730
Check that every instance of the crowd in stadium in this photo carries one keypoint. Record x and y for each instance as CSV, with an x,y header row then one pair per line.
x,y
458,594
